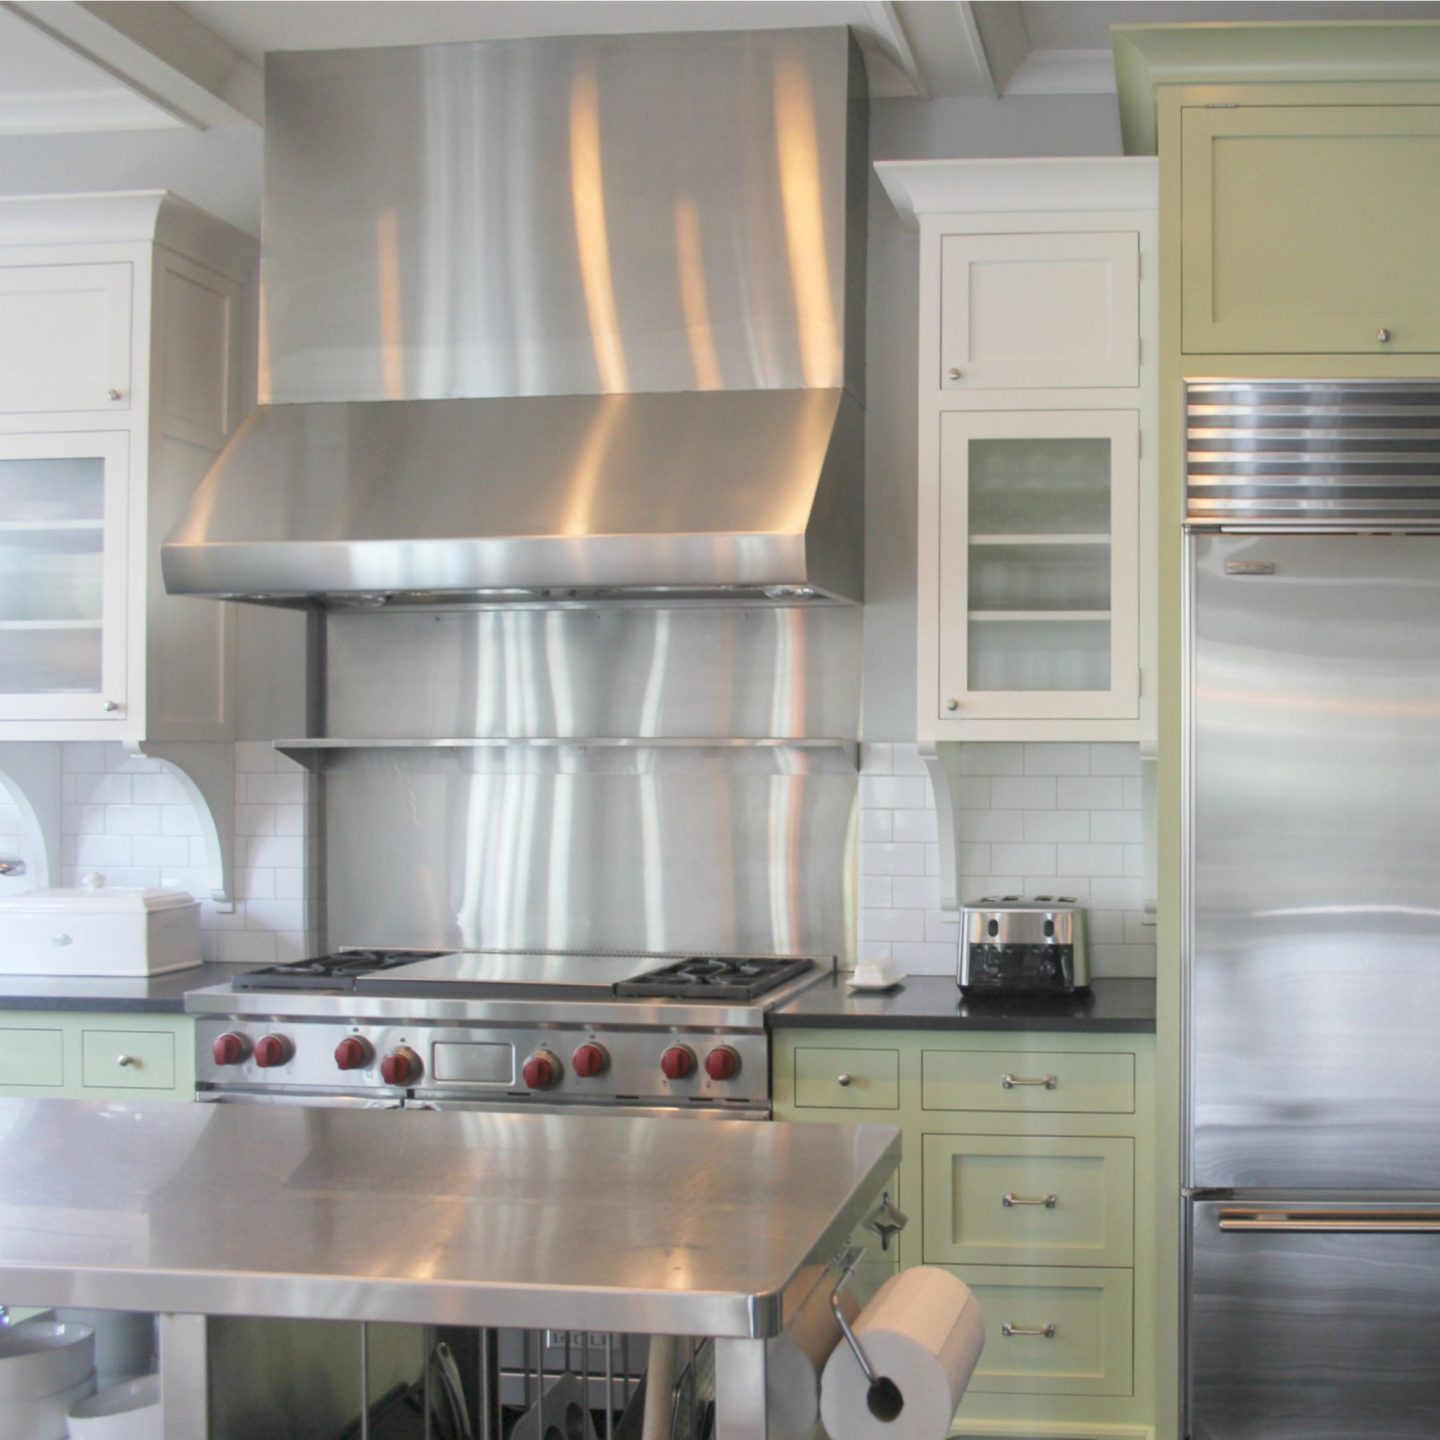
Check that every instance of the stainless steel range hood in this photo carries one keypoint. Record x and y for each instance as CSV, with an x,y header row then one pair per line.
x,y
553,320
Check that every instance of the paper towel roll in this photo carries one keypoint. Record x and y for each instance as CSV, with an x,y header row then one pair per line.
x,y
923,1332
794,1362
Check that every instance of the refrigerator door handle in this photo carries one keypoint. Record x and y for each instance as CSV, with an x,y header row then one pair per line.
x,y
1333,1222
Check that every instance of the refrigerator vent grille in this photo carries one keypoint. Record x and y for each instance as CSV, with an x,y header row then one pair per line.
x,y
1313,455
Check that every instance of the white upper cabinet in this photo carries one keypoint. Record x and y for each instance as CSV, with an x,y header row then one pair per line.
x,y
1036,312
65,337
1036,487
120,341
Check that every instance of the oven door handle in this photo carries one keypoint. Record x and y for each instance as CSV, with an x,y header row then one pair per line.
x,y
1332,1222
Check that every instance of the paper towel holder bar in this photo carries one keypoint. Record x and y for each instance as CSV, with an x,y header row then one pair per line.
x,y
884,1398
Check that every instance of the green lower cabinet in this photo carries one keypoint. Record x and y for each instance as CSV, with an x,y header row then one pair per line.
x,y
96,1056
1028,1172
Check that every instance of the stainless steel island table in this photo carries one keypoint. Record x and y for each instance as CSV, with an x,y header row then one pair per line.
x,y
593,1222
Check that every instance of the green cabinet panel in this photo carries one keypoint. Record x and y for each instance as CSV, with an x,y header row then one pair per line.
x,y
1310,229
32,1058
1070,1332
835,1079
127,1060
78,1055
1034,1200
1020,1081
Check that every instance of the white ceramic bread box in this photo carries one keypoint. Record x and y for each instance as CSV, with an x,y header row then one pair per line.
x,y
99,929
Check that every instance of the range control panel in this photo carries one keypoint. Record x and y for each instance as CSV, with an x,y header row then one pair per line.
x,y
585,1064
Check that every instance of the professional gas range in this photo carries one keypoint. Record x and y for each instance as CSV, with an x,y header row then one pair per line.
x,y
493,1029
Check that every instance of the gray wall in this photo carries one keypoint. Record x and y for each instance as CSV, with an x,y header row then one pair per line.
x,y
911,130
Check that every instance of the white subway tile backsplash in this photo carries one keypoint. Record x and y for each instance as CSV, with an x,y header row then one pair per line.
x,y
1057,825
1032,819
168,850
254,757
893,792
1057,759
272,789
83,757
1096,793
106,790
1032,792
273,850
912,825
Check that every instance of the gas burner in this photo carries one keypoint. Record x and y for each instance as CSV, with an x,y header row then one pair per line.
x,y
714,977
329,972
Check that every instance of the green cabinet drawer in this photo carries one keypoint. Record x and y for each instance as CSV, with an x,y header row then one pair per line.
x,y
1053,1331
834,1079
1040,1200
127,1060
1028,1081
32,1057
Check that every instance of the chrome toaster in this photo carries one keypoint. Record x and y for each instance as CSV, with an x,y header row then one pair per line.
x,y
1013,944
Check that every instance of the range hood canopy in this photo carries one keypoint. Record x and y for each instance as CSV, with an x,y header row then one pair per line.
x,y
552,321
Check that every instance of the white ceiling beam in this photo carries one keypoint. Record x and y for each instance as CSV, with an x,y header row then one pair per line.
x,y
889,32
1003,36
975,55
161,53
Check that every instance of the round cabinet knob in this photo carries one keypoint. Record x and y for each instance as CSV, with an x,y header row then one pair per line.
x,y
722,1063
111,706
677,1062
353,1053
272,1050
844,1080
540,1071
401,1066
953,373
590,1059
230,1049
124,1061
1383,335
112,394
952,705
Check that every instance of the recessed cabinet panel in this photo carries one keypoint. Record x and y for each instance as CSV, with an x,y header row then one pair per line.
x,y
847,1079
66,332
1031,312
32,1057
1038,564
1311,230
1059,1331
127,1060
1035,1200
1057,1082
64,547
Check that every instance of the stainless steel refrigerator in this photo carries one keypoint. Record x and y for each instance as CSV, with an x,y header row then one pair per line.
x,y
1312,912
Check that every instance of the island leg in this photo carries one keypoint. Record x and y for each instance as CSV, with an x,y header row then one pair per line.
x,y
740,1388
184,1371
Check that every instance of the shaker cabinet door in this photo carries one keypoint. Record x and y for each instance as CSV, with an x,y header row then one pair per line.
x,y
1039,312
64,338
1311,230
1038,565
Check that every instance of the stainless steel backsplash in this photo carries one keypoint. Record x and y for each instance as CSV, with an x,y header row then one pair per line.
x,y
699,845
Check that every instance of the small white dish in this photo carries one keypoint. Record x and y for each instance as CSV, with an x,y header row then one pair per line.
x,y
126,1412
875,975
39,1357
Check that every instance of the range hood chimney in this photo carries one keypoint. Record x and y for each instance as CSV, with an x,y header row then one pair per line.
x,y
552,320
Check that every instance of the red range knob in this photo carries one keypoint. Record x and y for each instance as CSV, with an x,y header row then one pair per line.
x,y
540,1071
230,1049
354,1053
401,1066
273,1050
678,1062
590,1059
722,1063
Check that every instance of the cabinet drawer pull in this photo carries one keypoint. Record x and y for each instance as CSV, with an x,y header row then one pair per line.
x,y
844,1079
1026,1332
124,1061
1011,1081
953,372
1010,1198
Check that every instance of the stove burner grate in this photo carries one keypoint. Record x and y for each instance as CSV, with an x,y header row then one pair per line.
x,y
329,972
714,977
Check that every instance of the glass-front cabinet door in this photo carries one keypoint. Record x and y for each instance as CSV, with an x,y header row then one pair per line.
x,y
63,544
1038,563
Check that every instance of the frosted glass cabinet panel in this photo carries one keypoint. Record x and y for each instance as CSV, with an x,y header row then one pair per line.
x,y
1038,541
63,539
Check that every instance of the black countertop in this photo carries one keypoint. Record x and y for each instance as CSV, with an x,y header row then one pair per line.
x,y
163,994
931,1002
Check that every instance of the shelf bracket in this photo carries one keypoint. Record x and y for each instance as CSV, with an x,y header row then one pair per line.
x,y
945,821
206,772
30,775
